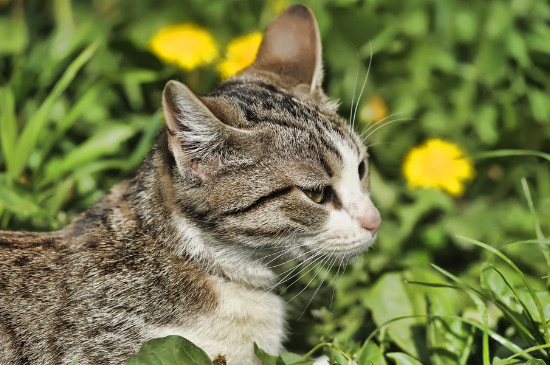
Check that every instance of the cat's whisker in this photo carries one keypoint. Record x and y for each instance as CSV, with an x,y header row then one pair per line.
x,y
378,144
327,270
336,281
283,253
384,125
308,260
292,259
289,272
291,246
363,87
278,253
313,262
354,89
377,123
318,265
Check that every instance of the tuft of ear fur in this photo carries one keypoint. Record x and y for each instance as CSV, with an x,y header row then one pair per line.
x,y
291,47
195,135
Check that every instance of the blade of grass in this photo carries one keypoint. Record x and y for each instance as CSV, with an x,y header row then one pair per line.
x,y
103,143
17,203
481,307
523,331
466,354
5,216
522,276
80,107
525,242
495,336
144,144
538,229
434,285
56,199
531,206
534,326
530,349
461,283
29,136
510,153
8,124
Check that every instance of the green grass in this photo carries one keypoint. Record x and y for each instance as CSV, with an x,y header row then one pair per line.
x,y
450,281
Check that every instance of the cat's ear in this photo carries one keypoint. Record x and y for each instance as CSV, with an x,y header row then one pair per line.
x,y
195,135
292,47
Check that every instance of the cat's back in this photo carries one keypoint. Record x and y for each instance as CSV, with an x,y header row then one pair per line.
x,y
28,258
26,243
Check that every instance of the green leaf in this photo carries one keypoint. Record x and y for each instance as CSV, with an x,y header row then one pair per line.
x,y
14,201
170,350
336,357
14,35
531,308
535,362
539,101
486,124
447,339
370,354
388,304
517,48
288,358
403,359
266,358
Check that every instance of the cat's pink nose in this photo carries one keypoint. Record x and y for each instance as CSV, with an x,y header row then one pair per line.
x,y
371,221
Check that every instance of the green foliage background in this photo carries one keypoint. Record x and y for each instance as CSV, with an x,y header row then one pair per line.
x,y
79,106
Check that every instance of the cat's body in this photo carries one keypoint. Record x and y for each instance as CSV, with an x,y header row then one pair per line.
x,y
101,287
259,171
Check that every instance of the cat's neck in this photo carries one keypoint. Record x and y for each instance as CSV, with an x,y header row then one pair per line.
x,y
151,196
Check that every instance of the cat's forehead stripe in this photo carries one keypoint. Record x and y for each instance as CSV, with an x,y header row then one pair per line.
x,y
261,103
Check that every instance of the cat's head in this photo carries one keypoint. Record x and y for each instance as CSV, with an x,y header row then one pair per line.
x,y
265,163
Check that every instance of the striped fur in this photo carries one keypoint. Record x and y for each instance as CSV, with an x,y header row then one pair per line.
x,y
192,243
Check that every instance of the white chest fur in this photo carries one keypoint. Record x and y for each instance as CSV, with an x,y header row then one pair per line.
x,y
243,316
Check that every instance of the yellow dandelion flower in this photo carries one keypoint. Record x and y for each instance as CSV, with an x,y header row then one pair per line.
x,y
375,109
187,45
240,54
438,164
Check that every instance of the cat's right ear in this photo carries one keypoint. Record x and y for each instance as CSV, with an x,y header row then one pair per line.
x,y
195,135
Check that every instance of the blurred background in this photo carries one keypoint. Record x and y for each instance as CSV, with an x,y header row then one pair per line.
x,y
80,93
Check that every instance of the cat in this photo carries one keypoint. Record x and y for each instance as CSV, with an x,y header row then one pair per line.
x,y
262,168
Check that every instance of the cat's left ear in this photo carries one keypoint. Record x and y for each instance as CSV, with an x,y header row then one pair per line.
x,y
291,47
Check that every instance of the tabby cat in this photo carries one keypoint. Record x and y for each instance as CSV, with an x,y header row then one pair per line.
x,y
262,168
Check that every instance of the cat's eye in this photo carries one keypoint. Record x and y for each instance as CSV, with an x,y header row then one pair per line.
x,y
362,170
317,195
